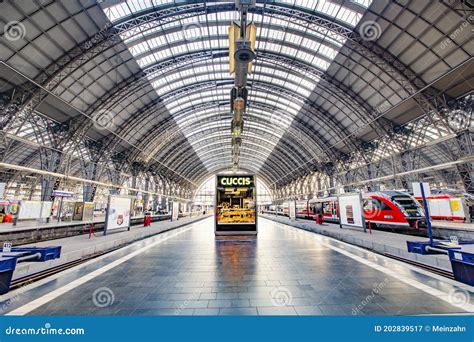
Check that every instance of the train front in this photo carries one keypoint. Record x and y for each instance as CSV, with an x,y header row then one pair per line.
x,y
410,208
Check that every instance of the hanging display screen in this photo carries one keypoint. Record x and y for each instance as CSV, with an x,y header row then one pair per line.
x,y
236,204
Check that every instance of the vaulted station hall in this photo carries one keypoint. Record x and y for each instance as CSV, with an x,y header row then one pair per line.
x,y
239,157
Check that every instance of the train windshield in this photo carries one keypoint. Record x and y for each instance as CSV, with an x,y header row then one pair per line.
x,y
407,203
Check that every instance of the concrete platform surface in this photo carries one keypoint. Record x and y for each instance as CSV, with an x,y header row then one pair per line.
x,y
282,271
80,246
380,241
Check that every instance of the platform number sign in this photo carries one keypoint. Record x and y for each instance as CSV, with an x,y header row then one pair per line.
x,y
7,247
454,240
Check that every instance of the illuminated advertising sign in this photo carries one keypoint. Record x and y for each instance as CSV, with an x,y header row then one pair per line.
x,y
236,205
235,181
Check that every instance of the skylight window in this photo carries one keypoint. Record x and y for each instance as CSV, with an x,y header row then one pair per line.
x,y
153,43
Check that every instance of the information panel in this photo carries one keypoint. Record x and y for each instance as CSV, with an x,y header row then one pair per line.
x,y
29,210
350,210
46,209
118,213
417,189
174,211
292,207
236,210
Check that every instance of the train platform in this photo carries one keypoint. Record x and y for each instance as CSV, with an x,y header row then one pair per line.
x,y
33,231
282,271
82,246
35,224
388,243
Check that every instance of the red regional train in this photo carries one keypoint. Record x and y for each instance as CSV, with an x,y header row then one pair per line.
x,y
451,206
385,208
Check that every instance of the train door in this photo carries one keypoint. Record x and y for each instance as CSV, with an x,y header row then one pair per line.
x,y
329,210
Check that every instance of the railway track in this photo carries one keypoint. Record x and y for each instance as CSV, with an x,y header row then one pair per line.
x,y
432,269
26,280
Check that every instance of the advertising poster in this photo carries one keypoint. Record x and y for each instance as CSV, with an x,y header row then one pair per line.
x,y
118,213
292,205
29,210
236,209
46,209
78,211
174,211
350,210
88,214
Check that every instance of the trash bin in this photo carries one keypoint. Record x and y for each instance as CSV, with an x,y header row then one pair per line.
x,y
147,221
462,264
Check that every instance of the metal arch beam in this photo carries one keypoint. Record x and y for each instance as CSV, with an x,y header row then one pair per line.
x,y
213,23
284,43
162,14
319,113
335,89
148,142
303,129
183,161
184,132
277,166
214,138
274,57
218,159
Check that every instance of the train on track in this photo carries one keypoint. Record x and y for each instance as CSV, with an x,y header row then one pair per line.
x,y
388,209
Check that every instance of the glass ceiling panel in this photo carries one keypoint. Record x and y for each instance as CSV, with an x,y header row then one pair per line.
x,y
151,43
122,10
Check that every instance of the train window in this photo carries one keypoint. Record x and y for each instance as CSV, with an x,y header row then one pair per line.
x,y
327,208
315,208
404,201
367,204
375,204
384,206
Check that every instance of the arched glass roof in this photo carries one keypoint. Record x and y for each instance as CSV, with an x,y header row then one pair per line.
x,y
151,44
320,90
